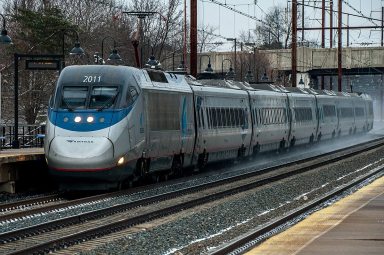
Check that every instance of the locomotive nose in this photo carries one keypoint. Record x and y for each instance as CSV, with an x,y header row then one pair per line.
x,y
81,153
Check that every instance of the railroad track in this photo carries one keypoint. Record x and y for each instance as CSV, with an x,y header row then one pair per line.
x,y
22,204
63,232
254,237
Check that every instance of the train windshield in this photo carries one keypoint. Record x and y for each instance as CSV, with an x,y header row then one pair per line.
x,y
96,97
74,98
102,97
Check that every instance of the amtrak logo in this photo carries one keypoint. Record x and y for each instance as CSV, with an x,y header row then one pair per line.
x,y
77,141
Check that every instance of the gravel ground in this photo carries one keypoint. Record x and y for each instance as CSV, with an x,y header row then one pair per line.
x,y
197,232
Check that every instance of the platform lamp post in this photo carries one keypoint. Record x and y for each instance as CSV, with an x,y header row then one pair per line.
x,y
209,66
254,48
4,38
301,82
222,66
264,78
113,58
234,40
249,75
76,50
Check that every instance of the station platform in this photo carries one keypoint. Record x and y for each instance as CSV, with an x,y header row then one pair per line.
x,y
354,225
19,154
19,167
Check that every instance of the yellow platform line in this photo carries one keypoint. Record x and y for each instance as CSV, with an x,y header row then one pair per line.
x,y
296,238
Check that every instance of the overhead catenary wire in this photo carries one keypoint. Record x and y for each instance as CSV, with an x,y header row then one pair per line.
x,y
353,8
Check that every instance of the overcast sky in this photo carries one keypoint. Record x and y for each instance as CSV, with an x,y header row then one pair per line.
x,y
230,24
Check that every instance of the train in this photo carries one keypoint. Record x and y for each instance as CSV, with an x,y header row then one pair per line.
x,y
109,126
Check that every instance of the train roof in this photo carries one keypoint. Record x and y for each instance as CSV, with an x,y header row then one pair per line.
x,y
157,79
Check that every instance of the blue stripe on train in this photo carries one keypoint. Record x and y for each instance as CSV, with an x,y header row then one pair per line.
x,y
111,117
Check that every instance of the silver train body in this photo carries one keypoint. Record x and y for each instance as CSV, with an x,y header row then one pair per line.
x,y
111,124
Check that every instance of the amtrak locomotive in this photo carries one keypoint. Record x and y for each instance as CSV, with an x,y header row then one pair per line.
x,y
110,125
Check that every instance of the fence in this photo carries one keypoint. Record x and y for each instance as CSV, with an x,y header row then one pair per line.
x,y
29,136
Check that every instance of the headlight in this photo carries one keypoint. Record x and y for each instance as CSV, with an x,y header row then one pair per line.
x,y
77,119
120,161
90,119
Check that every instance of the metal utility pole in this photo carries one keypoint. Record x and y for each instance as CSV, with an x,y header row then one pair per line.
x,y
294,43
330,24
330,35
322,34
185,35
193,36
382,26
348,30
302,21
339,47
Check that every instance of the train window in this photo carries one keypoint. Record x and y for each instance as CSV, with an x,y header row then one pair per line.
x,y
220,117
224,116
359,111
198,119
329,110
227,118
167,116
232,114
242,116
273,116
202,117
157,76
303,114
74,97
209,117
346,112
133,92
370,109
237,117
103,97
213,117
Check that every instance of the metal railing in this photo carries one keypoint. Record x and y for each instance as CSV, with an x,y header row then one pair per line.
x,y
28,135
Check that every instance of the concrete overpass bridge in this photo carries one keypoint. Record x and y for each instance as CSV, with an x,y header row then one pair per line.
x,y
317,61
311,62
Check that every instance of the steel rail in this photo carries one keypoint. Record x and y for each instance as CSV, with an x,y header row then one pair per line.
x,y
243,243
28,202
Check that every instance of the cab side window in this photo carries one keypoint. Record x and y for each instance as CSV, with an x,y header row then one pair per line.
x,y
131,95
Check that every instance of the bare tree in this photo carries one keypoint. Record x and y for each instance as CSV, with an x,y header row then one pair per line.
x,y
275,30
206,37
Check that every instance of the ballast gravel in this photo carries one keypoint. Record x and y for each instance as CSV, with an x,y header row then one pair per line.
x,y
203,230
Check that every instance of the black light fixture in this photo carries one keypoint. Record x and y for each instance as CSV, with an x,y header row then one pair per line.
x,y
152,63
235,42
209,66
301,82
114,57
4,38
181,66
230,75
77,50
264,77
249,76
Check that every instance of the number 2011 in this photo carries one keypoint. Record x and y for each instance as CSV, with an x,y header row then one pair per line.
x,y
88,78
